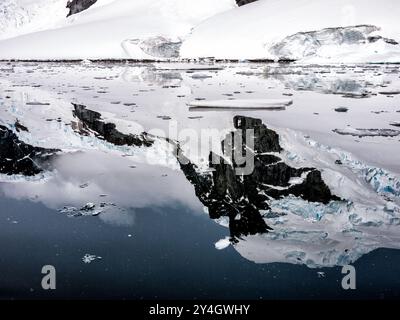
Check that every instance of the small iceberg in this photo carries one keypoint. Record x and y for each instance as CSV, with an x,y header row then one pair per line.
x,y
246,104
89,258
368,132
222,244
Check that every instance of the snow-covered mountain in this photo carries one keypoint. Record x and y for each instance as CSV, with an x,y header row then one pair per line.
x,y
18,17
76,6
308,30
114,29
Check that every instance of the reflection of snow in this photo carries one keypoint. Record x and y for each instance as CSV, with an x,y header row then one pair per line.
x,y
339,233
305,233
327,80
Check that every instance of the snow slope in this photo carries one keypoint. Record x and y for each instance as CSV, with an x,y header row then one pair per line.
x,y
114,29
252,31
311,31
19,17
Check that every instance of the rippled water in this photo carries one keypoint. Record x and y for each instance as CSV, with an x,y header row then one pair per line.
x,y
86,170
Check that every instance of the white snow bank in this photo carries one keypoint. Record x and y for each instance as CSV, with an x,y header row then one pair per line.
x,y
252,30
18,17
101,31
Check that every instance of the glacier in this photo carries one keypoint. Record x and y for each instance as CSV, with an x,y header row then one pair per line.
x,y
110,29
180,30
333,31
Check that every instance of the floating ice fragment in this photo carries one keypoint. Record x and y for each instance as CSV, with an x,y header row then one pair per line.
x,y
36,103
222,244
89,258
368,132
201,76
268,104
87,210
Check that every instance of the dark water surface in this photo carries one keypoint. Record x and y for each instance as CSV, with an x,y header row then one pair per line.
x,y
170,255
86,189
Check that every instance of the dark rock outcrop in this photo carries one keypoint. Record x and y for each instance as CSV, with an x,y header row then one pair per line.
x,y
17,157
91,121
244,2
241,197
76,6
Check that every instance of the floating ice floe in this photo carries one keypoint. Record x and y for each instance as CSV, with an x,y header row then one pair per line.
x,y
89,209
37,103
153,48
257,104
223,243
89,258
368,132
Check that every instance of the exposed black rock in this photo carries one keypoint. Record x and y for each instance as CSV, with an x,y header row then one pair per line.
x,y
17,157
373,39
91,122
76,6
20,127
241,197
244,2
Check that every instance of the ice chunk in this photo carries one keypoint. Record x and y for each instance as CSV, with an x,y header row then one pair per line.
x,y
272,104
89,209
223,243
89,258
368,132
154,47
304,44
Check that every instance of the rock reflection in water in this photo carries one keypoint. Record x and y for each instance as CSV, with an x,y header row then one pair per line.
x,y
17,157
91,120
241,197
